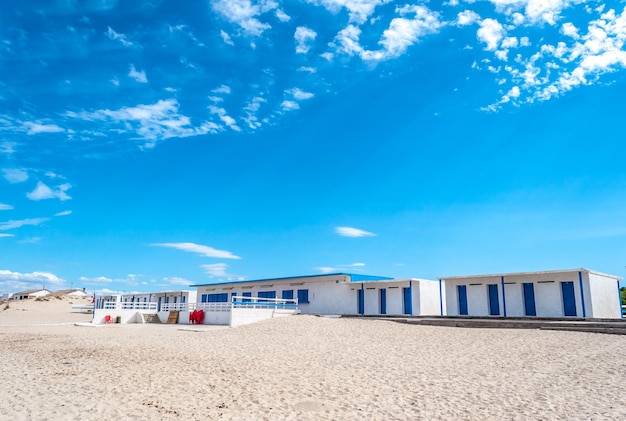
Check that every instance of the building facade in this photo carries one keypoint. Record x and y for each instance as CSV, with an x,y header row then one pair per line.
x,y
576,293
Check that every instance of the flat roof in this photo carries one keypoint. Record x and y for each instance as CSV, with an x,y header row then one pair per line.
x,y
541,272
354,277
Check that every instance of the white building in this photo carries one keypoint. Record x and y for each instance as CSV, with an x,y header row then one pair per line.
x,y
580,293
31,293
338,293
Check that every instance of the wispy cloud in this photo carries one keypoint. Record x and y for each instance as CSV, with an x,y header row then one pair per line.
x,y
7,148
2,235
9,225
32,127
174,280
218,270
43,192
340,268
227,39
224,117
15,175
118,37
5,207
139,76
353,232
151,122
64,213
199,249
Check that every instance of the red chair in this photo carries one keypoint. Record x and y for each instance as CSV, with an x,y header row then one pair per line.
x,y
108,319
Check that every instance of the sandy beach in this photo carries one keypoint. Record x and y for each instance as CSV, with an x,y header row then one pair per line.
x,y
300,368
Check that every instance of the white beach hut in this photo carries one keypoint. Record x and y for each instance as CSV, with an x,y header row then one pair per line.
x,y
577,293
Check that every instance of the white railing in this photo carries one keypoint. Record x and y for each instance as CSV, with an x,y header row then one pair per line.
x,y
129,305
216,307
260,302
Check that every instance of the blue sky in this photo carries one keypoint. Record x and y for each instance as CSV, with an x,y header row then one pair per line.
x,y
148,145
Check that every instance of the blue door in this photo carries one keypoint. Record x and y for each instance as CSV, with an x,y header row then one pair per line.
x,y
408,302
361,301
494,301
569,299
383,301
159,305
529,299
462,293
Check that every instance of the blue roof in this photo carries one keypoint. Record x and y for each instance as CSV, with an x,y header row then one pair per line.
x,y
354,277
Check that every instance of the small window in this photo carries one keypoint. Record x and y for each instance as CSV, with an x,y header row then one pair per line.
x,y
204,298
287,294
303,296
246,294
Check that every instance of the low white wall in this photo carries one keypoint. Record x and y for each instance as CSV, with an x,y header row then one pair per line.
x,y
127,316
243,316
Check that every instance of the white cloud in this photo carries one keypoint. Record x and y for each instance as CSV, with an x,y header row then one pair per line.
x,y
7,147
467,17
15,175
288,105
226,119
118,37
245,13
199,249
282,16
215,269
36,128
491,33
223,89
568,29
404,32
42,192
96,280
174,280
303,37
9,225
307,69
139,76
226,38
299,94
358,10
63,213
152,122
327,269
353,232
5,207
15,281
6,235
401,34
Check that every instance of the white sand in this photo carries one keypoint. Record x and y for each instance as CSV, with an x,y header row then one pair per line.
x,y
303,367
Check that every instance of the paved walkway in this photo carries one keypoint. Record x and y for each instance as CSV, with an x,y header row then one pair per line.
x,y
610,326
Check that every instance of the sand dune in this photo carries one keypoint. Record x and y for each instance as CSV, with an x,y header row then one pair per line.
x,y
302,368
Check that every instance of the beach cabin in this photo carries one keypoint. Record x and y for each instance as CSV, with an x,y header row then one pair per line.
x,y
140,307
337,293
576,293
31,293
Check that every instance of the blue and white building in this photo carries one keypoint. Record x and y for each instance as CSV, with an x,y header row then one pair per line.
x,y
337,293
576,293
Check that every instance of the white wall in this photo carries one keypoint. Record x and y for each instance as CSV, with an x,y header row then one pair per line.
x,y
604,294
429,303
